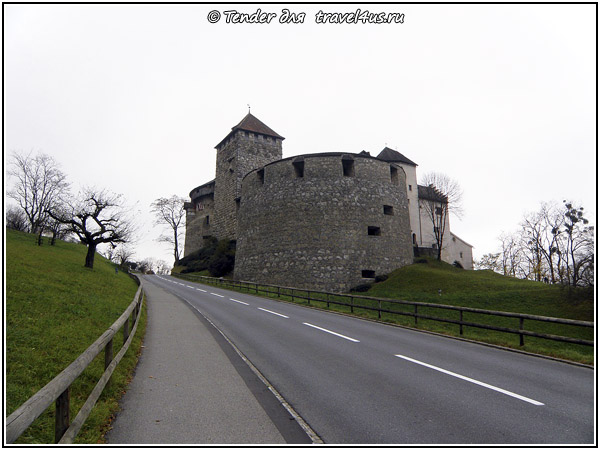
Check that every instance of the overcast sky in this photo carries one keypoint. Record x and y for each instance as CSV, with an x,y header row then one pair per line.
x,y
134,98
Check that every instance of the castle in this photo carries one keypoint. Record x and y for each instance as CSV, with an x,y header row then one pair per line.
x,y
327,221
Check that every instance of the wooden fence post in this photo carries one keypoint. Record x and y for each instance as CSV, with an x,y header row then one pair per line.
x,y
108,355
351,304
521,337
416,315
379,310
125,330
461,322
62,414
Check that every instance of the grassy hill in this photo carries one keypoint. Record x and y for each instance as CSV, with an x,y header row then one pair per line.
x,y
483,289
56,308
423,281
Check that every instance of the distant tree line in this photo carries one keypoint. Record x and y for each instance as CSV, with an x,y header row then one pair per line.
x,y
554,245
46,205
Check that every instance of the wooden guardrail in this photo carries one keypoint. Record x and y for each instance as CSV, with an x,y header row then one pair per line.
x,y
375,304
58,390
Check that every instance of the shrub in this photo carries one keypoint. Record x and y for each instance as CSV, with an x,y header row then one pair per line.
x,y
361,287
223,260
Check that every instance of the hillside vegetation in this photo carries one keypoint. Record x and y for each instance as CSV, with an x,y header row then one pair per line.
x,y
483,289
56,308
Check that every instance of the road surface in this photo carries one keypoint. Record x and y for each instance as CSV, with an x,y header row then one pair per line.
x,y
360,382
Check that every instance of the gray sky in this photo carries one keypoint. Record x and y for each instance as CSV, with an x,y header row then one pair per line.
x,y
135,97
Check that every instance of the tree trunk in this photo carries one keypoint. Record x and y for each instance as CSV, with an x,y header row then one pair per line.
x,y
176,250
89,258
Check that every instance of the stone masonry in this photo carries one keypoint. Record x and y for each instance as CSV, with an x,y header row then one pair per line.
x,y
326,221
323,221
248,146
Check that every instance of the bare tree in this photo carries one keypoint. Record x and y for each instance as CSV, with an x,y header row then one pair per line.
x,y
510,254
490,261
38,186
577,237
96,217
16,218
170,212
439,197
124,255
554,244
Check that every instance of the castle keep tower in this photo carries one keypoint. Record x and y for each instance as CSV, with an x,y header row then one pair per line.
x,y
248,146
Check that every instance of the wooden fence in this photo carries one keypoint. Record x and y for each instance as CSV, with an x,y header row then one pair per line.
x,y
379,306
58,390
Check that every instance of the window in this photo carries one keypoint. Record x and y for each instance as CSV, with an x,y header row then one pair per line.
x,y
261,176
414,239
374,231
348,167
207,220
394,175
299,168
237,204
368,274
461,255
410,187
388,210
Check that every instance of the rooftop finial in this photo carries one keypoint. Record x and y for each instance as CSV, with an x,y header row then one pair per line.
x,y
248,109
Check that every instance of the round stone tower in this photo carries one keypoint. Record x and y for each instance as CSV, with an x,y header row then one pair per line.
x,y
326,221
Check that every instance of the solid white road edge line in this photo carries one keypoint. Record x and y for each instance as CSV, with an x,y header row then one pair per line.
x,y
331,332
314,437
273,312
238,301
218,295
471,380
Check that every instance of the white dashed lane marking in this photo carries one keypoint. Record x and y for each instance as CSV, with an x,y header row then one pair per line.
x,y
239,301
471,380
273,312
331,332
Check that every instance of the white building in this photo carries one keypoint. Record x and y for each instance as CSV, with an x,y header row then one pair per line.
x,y
454,249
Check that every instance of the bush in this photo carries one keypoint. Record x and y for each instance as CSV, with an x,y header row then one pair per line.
x,y
380,278
223,260
361,287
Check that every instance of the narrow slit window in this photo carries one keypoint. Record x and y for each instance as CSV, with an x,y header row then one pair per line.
x,y
348,167
388,210
374,231
207,220
298,168
394,175
368,274
261,176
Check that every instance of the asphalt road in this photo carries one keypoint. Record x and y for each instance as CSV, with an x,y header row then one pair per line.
x,y
356,381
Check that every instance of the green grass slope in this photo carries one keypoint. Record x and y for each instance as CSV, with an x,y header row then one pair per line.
x,y
423,281
56,308
483,289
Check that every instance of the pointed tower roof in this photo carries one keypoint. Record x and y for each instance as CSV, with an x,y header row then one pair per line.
x,y
389,155
252,124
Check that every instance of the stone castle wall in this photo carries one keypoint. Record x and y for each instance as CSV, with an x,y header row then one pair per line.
x,y
239,154
199,217
323,221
